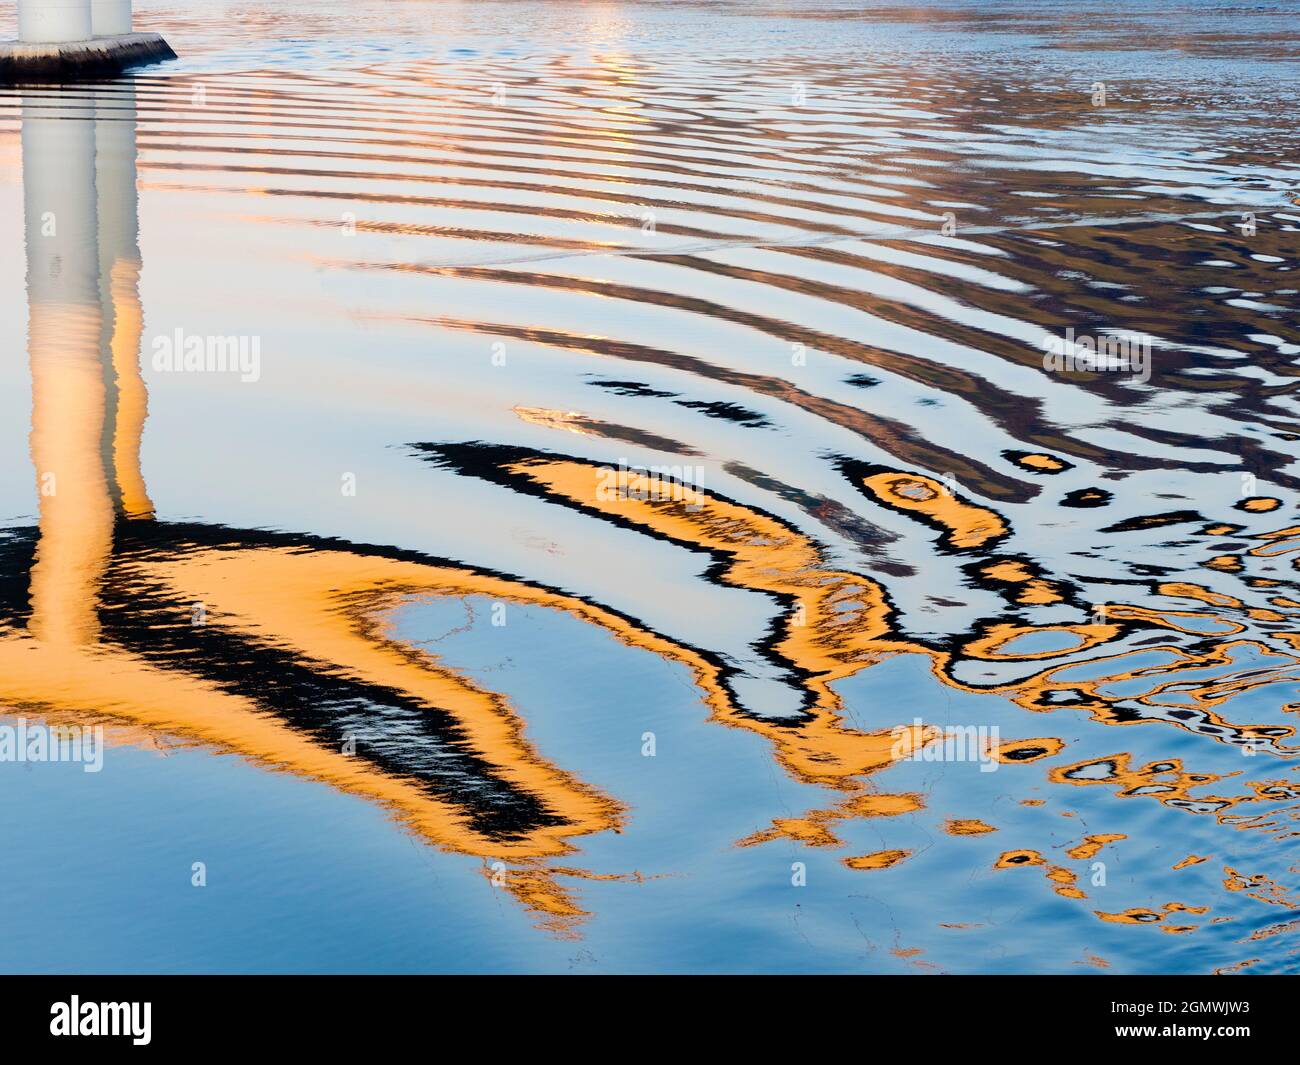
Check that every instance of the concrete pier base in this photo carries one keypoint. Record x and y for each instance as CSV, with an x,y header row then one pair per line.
x,y
70,60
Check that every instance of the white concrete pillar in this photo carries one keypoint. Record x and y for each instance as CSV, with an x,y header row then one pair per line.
x,y
109,18
54,21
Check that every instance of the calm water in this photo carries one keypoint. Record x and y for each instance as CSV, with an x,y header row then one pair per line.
x,y
643,451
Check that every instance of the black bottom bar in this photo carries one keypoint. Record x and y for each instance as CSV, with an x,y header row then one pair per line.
x,y
335,1013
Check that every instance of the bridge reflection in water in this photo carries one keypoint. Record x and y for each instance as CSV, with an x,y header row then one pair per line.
x,y
281,646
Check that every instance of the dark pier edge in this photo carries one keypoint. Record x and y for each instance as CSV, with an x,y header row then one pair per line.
x,y
73,60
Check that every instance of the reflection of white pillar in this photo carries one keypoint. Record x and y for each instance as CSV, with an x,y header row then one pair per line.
x,y
110,17
54,21
60,203
64,323
119,289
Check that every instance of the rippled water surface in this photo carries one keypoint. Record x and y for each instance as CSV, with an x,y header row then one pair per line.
x,y
644,452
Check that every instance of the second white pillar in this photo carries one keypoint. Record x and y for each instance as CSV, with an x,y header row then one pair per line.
x,y
110,17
